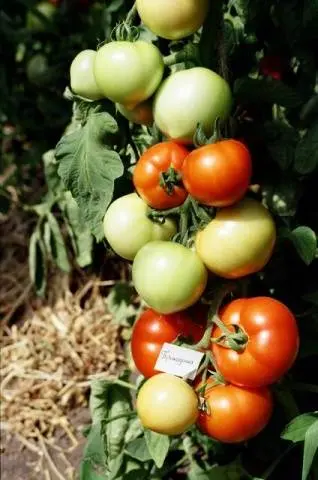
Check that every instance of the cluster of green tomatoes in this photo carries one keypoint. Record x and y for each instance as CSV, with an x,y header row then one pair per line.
x,y
191,221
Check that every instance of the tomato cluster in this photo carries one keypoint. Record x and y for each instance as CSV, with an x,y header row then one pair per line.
x,y
190,219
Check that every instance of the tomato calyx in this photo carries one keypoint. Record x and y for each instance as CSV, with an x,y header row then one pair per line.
x,y
200,138
236,340
192,217
169,179
126,31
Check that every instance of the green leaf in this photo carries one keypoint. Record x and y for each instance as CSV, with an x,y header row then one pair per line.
x,y
109,400
310,448
87,472
37,262
266,90
134,430
138,449
52,179
306,156
158,446
81,238
297,428
94,451
305,242
57,245
119,302
89,167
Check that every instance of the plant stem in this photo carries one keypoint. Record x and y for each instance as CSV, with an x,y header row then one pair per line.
x,y
125,384
117,417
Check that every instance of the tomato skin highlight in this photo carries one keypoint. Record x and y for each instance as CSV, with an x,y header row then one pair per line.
x,y
173,20
236,414
272,347
167,404
128,72
238,241
168,276
152,330
189,97
83,82
155,161
127,227
219,174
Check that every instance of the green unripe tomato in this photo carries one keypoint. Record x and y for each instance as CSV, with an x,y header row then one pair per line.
x,y
83,82
168,276
127,227
189,97
35,23
128,73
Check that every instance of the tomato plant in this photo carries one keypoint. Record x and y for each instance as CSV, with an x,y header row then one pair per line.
x,y
238,241
168,276
173,21
153,329
234,414
128,72
127,227
272,342
219,174
157,175
167,404
188,98
83,81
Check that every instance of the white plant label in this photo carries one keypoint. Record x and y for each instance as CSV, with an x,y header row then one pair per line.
x,y
179,361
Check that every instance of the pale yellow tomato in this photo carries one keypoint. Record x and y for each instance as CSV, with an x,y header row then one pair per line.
x,y
167,404
173,19
238,241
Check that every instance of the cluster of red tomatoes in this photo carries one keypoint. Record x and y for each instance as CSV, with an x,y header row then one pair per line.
x,y
252,342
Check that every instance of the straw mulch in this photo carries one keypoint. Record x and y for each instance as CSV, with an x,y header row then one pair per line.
x,y
50,349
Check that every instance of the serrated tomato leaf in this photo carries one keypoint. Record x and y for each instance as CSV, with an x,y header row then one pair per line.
x,y
158,446
310,448
89,167
305,242
297,428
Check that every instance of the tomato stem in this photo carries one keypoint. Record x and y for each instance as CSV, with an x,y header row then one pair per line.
x,y
189,53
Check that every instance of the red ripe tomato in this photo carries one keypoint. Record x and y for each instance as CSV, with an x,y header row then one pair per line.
x,y
152,330
234,414
272,344
157,175
271,66
218,174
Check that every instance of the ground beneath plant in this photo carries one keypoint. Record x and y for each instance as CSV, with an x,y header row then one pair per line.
x,y
51,349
